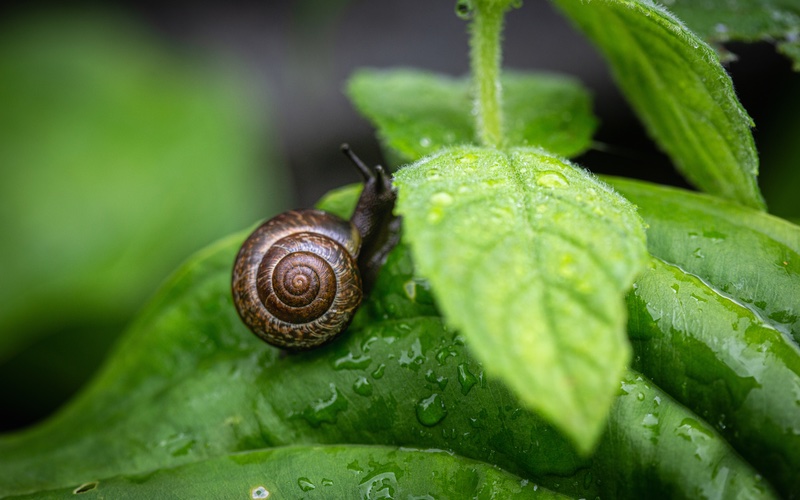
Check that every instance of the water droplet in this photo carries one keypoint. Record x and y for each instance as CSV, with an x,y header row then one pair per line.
x,y
378,373
379,485
178,444
305,484
410,287
353,466
352,362
640,396
465,378
259,492
444,353
431,410
695,432
327,482
85,487
442,199
552,179
413,357
465,9
362,386
439,380
325,410
425,142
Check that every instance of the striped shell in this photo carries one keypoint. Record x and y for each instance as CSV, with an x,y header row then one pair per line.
x,y
296,282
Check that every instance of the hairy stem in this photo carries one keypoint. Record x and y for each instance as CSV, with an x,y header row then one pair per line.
x,y
485,39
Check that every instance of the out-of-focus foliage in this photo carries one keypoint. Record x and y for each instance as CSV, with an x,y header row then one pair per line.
x,y
119,156
781,156
744,20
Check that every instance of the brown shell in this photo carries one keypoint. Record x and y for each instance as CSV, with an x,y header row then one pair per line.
x,y
295,281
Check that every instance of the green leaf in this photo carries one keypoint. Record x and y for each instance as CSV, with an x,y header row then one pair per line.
x,y
775,21
189,383
119,158
418,113
675,83
316,472
724,362
664,443
745,254
530,258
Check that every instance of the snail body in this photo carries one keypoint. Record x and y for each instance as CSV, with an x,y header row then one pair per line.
x,y
299,277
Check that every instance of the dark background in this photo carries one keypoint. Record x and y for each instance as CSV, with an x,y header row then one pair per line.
x,y
296,57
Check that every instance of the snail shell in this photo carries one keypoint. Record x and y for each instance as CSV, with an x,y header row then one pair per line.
x,y
299,278
296,281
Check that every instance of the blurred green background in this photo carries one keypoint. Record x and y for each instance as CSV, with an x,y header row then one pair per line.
x,y
119,157
132,137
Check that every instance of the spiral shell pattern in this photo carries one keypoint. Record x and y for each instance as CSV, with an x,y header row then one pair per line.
x,y
295,281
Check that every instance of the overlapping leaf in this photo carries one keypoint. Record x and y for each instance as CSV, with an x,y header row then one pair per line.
x,y
418,113
744,20
529,257
676,84
746,254
316,472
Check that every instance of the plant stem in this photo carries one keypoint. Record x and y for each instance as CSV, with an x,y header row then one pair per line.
x,y
486,30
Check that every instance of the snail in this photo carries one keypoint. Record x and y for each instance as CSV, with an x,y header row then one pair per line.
x,y
299,277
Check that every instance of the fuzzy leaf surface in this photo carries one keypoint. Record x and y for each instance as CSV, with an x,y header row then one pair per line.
x,y
677,86
418,113
529,257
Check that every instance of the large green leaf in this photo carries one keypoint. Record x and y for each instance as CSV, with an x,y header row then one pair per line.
x,y
745,254
744,20
418,113
720,359
368,472
663,443
676,84
119,158
189,383
530,257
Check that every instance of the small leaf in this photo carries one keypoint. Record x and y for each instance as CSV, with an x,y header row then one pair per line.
x,y
675,82
418,113
529,257
323,472
721,21
724,362
746,254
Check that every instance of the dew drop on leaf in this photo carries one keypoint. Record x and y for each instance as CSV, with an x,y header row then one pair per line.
x,y
466,378
362,387
378,373
552,179
464,9
259,492
305,484
431,410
